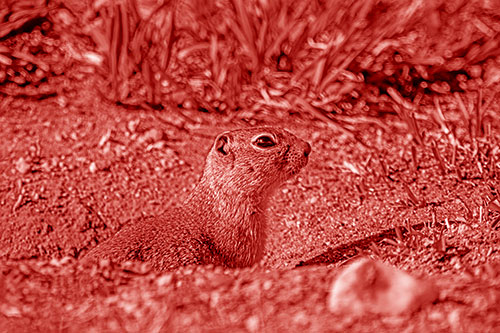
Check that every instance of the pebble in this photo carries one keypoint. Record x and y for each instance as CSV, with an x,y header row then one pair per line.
x,y
369,286
22,166
132,125
153,135
164,279
252,323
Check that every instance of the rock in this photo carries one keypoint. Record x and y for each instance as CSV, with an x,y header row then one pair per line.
x,y
368,286
22,166
132,125
151,136
105,138
93,167
252,323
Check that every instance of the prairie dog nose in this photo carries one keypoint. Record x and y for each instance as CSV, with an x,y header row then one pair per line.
x,y
307,150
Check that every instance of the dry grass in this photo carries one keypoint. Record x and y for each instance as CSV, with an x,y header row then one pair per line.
x,y
318,57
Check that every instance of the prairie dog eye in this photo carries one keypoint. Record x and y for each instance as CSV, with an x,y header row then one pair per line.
x,y
264,141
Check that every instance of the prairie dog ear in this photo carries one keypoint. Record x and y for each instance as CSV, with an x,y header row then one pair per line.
x,y
222,144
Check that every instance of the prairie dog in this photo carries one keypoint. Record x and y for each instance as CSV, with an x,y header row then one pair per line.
x,y
222,221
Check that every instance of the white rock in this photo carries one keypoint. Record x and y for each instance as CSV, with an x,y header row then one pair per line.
x,y
22,166
252,323
368,286
93,167
150,136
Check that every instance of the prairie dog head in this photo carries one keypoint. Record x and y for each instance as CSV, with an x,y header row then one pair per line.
x,y
254,161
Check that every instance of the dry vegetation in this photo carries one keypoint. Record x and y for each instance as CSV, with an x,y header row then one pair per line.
x,y
318,56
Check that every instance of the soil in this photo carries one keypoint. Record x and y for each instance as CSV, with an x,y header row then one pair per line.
x,y
73,172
